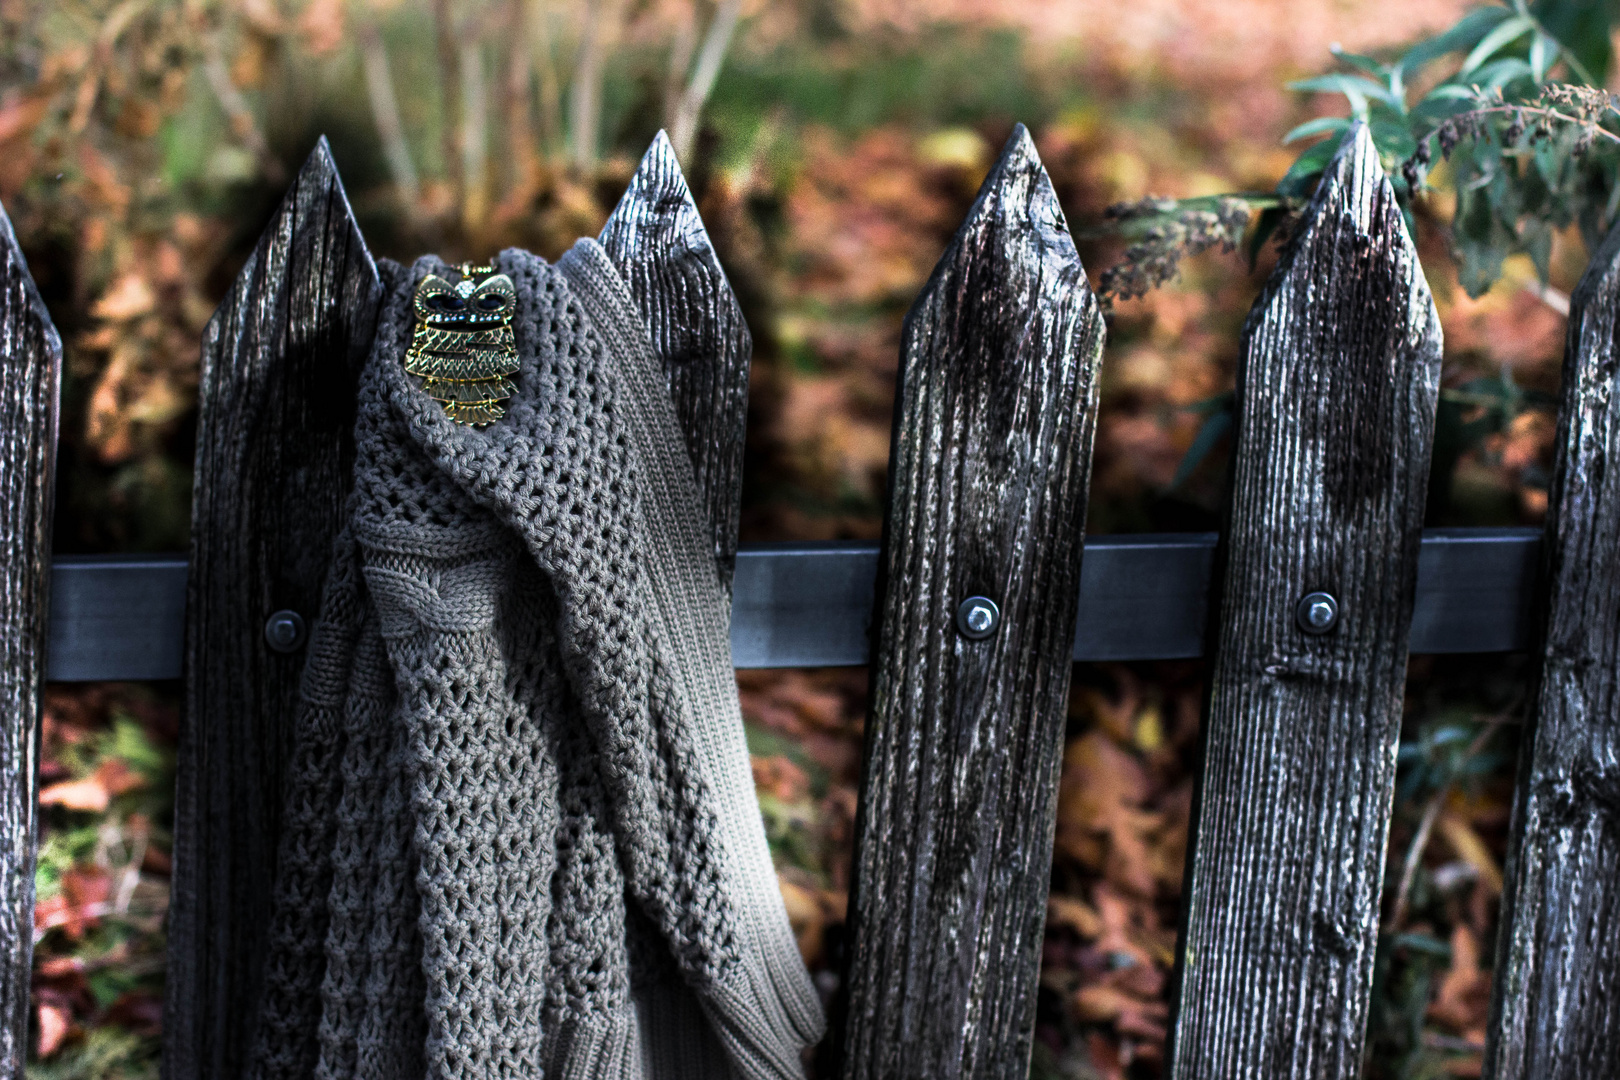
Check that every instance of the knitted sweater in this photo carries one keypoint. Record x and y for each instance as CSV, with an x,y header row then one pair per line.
x,y
521,836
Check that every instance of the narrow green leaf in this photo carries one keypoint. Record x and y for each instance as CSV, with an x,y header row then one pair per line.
x,y
1264,228
1351,86
1508,32
1365,63
1543,54
1424,943
1499,73
1452,92
1317,127
1465,34
1297,181
1210,432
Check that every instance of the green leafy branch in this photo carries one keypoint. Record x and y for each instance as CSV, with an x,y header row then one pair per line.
x,y
1530,145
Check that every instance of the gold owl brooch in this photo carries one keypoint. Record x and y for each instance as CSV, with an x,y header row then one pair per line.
x,y
463,349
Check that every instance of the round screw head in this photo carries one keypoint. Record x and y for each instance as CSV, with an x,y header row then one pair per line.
x,y
284,631
1317,612
977,617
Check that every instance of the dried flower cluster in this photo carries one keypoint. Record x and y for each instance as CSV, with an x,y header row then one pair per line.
x,y
1168,231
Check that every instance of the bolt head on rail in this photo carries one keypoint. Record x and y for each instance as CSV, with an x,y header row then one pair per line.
x,y
1317,613
977,618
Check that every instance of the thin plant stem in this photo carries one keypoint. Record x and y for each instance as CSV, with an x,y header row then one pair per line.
x,y
237,111
385,106
585,94
444,36
713,54
515,117
1431,813
474,134
541,54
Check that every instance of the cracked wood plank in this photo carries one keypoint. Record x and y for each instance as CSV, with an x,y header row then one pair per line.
x,y
657,240
991,460
1555,1012
275,450
1336,393
30,373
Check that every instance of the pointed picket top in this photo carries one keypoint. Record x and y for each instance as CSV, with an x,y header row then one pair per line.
x,y
313,248
1336,391
1014,241
656,238
988,476
26,317
1354,198
30,367
275,433
1555,1001
1351,176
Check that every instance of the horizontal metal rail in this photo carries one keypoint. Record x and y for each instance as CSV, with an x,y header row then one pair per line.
x,y
807,605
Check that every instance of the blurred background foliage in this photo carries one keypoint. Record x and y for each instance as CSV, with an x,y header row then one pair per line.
x,y
834,146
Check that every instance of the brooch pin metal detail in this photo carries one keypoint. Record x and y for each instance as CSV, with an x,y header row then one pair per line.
x,y
463,349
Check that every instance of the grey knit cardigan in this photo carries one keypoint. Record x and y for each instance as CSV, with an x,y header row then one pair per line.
x,y
521,837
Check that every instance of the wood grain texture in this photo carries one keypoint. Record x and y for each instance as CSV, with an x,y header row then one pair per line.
x,y
988,476
30,370
274,455
1337,386
657,240
1556,996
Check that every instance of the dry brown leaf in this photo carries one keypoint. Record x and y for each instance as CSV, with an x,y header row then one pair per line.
x,y
1100,823
1133,1010
806,916
1471,849
19,116
87,794
1075,914
1115,715
322,25
780,778
129,297
55,1020
73,909
1462,1003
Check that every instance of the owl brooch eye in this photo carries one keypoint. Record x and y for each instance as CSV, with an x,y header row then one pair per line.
x,y
462,348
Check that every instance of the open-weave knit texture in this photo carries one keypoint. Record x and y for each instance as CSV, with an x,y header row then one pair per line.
x,y
521,837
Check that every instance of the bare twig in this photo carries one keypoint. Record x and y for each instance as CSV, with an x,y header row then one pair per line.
x,y
444,37
680,63
130,876
585,94
715,43
545,70
1431,812
474,133
1556,299
1451,1044
237,110
101,60
519,150
385,105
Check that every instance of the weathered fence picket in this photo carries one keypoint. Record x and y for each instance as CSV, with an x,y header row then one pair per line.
x,y
989,471
988,474
1336,391
1556,1001
30,369
280,361
657,241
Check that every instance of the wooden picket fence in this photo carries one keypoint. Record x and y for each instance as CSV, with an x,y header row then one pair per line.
x,y
1304,607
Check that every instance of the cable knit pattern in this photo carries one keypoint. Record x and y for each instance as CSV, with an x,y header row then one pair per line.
x,y
521,838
